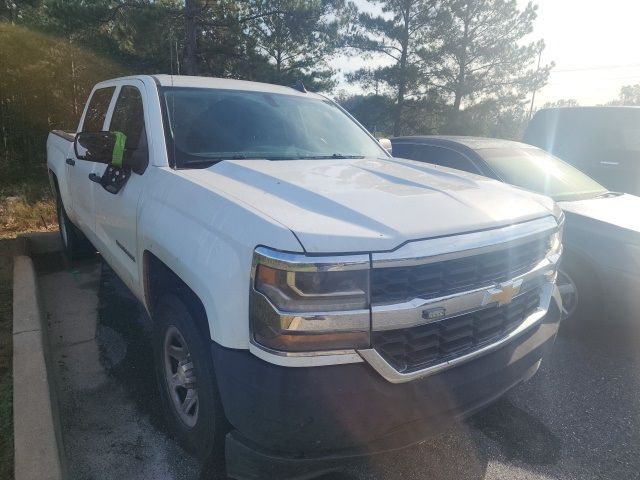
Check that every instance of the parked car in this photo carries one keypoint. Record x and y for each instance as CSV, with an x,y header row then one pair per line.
x,y
313,298
603,142
600,270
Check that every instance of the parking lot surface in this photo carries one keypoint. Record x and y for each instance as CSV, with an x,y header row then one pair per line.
x,y
578,418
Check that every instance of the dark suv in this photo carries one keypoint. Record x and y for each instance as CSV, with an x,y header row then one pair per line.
x,y
603,142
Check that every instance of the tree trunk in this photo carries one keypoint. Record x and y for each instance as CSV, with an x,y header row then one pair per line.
x,y
457,100
402,77
74,82
190,44
462,74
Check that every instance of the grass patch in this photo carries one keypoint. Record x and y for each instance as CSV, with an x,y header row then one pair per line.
x,y
26,208
6,352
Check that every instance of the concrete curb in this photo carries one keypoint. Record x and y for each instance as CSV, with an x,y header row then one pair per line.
x,y
36,432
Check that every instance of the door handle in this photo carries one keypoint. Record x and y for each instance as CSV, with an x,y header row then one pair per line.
x,y
95,178
603,162
70,161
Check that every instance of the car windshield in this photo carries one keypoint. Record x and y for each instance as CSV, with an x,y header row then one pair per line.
x,y
536,170
208,125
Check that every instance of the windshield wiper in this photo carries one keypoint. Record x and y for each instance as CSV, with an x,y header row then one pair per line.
x,y
210,160
312,157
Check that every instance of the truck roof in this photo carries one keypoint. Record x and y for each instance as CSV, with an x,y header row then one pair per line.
x,y
221,83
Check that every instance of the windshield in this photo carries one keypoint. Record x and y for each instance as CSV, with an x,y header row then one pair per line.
x,y
208,125
541,172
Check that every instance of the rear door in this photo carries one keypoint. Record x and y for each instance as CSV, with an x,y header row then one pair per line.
x,y
116,214
78,171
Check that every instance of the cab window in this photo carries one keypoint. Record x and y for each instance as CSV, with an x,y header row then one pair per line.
x,y
444,157
128,118
97,109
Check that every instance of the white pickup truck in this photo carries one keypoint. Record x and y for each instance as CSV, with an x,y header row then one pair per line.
x,y
313,298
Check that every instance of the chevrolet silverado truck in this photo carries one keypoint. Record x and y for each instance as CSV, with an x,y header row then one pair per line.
x,y
313,298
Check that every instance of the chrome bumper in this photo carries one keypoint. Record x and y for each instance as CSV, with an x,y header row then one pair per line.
x,y
412,313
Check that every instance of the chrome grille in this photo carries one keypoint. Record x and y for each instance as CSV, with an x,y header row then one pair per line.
x,y
433,280
415,348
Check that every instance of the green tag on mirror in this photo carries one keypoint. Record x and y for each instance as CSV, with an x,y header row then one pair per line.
x,y
118,149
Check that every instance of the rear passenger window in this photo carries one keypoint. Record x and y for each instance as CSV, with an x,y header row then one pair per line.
x,y
445,157
128,118
403,150
97,110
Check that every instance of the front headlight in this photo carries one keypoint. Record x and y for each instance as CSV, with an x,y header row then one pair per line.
x,y
298,292
555,240
309,304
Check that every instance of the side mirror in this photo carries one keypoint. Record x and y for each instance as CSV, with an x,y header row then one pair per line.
x,y
386,144
96,147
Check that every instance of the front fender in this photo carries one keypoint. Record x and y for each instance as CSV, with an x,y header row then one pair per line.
x,y
207,239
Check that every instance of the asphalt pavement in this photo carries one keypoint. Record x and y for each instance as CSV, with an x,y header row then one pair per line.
x,y
577,418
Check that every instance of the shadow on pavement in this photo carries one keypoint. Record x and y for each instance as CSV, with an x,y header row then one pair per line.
x,y
124,338
520,435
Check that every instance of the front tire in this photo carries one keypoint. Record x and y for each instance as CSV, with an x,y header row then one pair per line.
x,y
578,287
186,379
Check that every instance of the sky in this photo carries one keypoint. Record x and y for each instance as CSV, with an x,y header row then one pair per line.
x,y
593,43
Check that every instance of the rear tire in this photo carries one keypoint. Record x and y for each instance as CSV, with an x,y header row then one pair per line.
x,y
74,242
186,379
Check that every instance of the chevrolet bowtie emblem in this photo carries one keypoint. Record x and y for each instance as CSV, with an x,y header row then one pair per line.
x,y
503,293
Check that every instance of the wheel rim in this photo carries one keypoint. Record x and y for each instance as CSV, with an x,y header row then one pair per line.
x,y
568,292
63,224
180,377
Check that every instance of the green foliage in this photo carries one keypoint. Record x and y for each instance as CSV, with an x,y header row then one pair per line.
x,y
400,33
563,102
479,55
464,54
297,40
629,96
43,86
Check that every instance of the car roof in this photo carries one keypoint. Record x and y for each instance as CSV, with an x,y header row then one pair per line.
x,y
472,143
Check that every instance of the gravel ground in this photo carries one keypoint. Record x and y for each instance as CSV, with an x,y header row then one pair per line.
x,y
578,418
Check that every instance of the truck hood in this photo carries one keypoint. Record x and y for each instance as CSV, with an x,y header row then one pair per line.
x,y
369,204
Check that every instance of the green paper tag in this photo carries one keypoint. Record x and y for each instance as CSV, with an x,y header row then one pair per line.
x,y
118,149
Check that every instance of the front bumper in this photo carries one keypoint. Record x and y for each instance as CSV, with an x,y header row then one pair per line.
x,y
299,422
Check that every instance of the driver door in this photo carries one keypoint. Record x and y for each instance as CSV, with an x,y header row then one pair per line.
x,y
116,213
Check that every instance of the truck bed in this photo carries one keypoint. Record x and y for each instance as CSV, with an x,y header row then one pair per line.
x,y
68,135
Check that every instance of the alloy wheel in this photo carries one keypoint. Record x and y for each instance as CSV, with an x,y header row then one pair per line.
x,y
568,292
180,377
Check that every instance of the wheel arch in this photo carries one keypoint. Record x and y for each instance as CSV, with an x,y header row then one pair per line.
x,y
577,254
53,182
159,279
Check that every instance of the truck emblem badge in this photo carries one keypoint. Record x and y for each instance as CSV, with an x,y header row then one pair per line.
x,y
433,313
503,293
